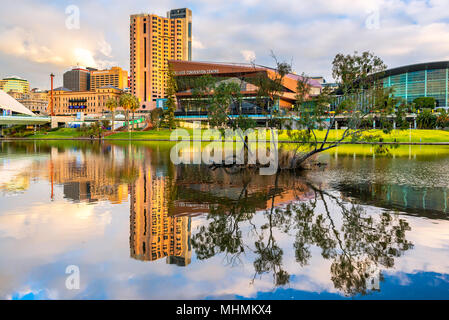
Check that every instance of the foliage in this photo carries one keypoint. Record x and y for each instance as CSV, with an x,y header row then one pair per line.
x,y
356,244
172,88
426,120
400,117
129,103
443,119
425,103
156,117
111,105
362,100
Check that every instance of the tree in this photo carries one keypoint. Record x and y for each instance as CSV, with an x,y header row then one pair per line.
x,y
133,107
361,97
172,88
425,103
112,104
426,119
443,119
270,88
156,116
222,100
357,244
128,102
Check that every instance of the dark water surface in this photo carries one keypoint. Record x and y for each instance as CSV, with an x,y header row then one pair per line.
x,y
366,226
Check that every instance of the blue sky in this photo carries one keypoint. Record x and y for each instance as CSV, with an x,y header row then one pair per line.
x,y
35,41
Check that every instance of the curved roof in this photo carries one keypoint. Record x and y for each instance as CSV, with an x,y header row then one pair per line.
x,y
9,103
417,67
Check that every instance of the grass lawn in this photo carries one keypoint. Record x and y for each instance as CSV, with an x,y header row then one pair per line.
x,y
63,133
394,136
164,134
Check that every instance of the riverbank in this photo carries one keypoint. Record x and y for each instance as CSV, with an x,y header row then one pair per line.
x,y
414,137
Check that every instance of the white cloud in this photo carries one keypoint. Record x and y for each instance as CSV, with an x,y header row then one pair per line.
x,y
308,32
248,55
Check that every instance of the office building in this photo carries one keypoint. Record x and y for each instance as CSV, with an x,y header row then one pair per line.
x,y
153,41
116,77
77,79
14,84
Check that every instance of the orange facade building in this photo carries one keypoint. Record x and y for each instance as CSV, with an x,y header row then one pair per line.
x,y
153,41
243,74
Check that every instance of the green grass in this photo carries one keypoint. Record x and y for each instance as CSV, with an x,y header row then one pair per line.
x,y
63,133
394,136
164,134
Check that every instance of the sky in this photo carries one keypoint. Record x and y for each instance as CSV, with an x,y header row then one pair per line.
x,y
39,37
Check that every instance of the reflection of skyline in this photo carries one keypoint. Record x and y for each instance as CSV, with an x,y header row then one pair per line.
x,y
37,233
86,177
153,233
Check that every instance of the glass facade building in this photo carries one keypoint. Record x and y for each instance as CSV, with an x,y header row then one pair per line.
x,y
420,80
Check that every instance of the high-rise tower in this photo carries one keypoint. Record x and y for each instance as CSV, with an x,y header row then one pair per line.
x,y
153,41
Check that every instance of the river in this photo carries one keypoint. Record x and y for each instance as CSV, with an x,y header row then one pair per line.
x,y
84,220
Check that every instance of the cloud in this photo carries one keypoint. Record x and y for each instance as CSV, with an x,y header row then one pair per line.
x,y
309,33
248,55
196,43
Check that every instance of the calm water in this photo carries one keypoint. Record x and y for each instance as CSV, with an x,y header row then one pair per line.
x,y
367,226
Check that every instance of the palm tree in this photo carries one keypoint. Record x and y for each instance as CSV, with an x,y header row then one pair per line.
x,y
134,106
125,102
112,104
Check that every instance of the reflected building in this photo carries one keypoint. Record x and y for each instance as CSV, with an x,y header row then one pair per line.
x,y
86,177
154,234
425,201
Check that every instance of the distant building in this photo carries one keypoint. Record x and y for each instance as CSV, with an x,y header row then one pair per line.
x,y
77,79
36,101
153,41
116,77
68,102
241,74
428,79
10,106
325,84
14,84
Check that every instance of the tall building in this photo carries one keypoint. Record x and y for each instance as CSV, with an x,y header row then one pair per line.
x,y
77,79
153,41
14,84
115,76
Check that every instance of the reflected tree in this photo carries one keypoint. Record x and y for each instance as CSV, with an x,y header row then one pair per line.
x,y
358,244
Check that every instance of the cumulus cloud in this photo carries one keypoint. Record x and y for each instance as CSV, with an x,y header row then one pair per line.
x,y
196,43
309,33
248,55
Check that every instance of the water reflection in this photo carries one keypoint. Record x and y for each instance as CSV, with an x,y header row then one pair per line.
x,y
155,234
357,244
346,221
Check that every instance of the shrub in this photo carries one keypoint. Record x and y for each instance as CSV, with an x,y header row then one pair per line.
x,y
426,120
443,119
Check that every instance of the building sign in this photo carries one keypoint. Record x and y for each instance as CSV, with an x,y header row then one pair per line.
x,y
77,107
195,72
160,103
